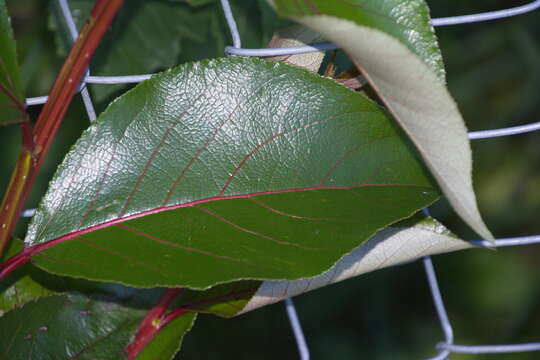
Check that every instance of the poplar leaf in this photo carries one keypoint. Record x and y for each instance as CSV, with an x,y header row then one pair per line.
x,y
226,170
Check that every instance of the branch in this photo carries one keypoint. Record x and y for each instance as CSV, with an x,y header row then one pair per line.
x,y
157,318
152,323
37,144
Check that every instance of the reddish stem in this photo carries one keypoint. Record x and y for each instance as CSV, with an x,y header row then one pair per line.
x,y
12,264
193,307
7,267
152,323
174,314
27,136
12,203
71,73
37,143
156,318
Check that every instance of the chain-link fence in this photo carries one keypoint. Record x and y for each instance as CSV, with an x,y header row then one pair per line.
x,y
446,347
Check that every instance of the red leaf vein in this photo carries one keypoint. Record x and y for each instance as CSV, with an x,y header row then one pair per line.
x,y
164,242
125,257
243,229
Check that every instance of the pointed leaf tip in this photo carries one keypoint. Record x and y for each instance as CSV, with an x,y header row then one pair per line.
x,y
407,73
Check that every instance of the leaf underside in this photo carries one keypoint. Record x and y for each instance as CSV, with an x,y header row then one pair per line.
x,y
225,170
394,46
404,20
399,243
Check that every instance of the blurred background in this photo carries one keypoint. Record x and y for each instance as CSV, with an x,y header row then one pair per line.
x,y
493,71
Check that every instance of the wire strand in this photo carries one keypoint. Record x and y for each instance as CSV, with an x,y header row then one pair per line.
x,y
439,305
514,130
445,21
297,329
490,349
231,22
486,16
72,28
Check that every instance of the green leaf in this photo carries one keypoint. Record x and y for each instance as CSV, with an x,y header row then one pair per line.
x,y
404,20
20,287
12,103
14,247
225,300
29,282
74,326
395,48
152,35
225,170
403,242
169,339
68,327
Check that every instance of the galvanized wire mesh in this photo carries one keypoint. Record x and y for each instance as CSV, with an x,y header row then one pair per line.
x,y
445,347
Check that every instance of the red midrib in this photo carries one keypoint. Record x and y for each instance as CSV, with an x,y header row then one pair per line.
x,y
42,246
14,262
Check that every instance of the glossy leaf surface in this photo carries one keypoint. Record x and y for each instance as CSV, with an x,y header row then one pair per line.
x,y
394,46
225,170
11,96
68,327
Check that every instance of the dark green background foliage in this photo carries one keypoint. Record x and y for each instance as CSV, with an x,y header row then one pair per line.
x,y
493,73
